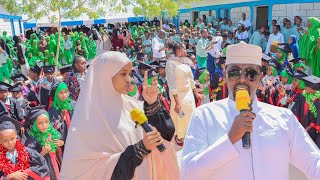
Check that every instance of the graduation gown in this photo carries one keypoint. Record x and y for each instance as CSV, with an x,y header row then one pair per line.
x,y
45,94
33,95
219,88
54,115
38,167
314,122
53,160
165,98
306,118
13,108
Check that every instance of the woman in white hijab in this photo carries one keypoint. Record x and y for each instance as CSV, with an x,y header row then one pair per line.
x,y
103,142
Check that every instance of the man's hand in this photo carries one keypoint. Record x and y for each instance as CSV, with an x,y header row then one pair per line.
x,y
242,123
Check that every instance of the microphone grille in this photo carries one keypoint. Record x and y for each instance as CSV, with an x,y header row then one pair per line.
x,y
138,116
242,100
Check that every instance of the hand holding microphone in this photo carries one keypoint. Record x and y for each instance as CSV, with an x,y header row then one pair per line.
x,y
243,123
152,137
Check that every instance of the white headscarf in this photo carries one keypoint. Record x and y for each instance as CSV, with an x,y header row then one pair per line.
x,y
101,129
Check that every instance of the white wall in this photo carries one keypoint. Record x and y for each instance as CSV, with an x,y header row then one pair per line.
x,y
236,14
304,10
5,25
214,2
185,16
16,27
214,14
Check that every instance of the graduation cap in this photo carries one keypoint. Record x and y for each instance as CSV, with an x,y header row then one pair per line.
x,y
297,60
16,88
66,68
162,64
199,72
140,56
265,57
312,82
134,80
19,77
152,73
285,47
144,66
36,69
33,114
7,122
48,69
4,86
274,63
300,74
154,63
221,60
289,72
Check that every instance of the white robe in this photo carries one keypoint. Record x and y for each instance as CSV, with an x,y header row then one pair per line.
x,y
278,140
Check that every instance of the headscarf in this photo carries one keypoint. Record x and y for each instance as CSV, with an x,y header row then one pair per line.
x,y
57,102
284,56
35,47
134,32
301,84
52,44
286,75
93,118
274,71
42,138
309,40
294,46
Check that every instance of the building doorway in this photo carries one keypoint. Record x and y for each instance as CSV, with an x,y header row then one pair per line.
x,y
195,15
262,16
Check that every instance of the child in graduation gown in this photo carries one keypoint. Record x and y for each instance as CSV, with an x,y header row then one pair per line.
x,y
295,96
44,139
61,110
107,144
309,107
16,160
283,88
218,85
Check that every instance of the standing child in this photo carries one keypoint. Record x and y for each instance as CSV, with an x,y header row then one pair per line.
x,y
17,161
44,139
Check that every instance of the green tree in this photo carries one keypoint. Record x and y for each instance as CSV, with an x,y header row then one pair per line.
x,y
59,9
155,8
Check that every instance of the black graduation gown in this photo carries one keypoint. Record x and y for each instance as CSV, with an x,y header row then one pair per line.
x,y
32,96
38,165
223,92
315,123
45,94
14,110
50,158
54,115
165,95
130,159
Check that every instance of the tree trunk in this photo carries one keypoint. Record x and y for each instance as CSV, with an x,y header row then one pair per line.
x,y
58,44
161,21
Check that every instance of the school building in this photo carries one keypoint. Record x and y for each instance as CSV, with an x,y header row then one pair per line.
x,y
259,12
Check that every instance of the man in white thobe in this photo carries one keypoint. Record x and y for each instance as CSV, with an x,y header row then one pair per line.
x,y
213,147
158,48
245,21
275,36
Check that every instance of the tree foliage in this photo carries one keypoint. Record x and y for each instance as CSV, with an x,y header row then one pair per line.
x,y
155,8
56,10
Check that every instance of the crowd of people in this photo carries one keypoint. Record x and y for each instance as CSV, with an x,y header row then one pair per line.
x,y
172,71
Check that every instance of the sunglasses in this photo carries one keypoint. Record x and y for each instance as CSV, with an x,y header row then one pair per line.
x,y
250,74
